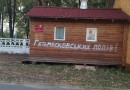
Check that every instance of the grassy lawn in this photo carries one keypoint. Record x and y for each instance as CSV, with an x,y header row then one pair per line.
x,y
15,71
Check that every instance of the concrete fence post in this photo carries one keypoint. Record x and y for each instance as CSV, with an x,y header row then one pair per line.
x,y
24,46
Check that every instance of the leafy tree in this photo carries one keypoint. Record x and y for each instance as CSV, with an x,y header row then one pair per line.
x,y
100,3
70,3
22,20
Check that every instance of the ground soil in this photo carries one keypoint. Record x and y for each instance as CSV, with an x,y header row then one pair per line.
x,y
13,57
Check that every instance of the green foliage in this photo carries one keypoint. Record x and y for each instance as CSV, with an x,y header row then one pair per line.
x,y
6,34
97,3
22,20
70,3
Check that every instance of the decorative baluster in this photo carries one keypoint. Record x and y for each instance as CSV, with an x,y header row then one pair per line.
x,y
19,42
22,45
5,40
9,42
15,43
0,43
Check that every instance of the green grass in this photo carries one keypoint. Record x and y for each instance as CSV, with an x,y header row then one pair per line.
x,y
15,71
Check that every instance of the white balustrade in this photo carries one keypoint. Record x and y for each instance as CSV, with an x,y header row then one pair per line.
x,y
14,45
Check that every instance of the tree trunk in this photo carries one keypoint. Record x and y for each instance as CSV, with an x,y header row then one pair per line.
x,y
27,29
110,3
2,7
10,18
79,4
40,2
14,15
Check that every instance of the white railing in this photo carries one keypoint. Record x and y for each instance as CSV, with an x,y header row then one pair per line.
x,y
14,45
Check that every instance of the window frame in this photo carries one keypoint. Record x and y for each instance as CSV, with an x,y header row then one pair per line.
x,y
55,33
95,34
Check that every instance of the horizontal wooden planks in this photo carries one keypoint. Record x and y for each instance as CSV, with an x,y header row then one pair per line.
x,y
108,34
76,61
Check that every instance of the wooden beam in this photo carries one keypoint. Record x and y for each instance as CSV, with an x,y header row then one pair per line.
x,y
125,38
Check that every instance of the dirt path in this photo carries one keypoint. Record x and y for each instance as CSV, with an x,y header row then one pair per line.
x,y
13,57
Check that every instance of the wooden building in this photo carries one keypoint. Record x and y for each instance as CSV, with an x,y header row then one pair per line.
x,y
74,35
125,6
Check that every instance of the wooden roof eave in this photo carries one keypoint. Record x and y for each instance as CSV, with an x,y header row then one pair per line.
x,y
74,18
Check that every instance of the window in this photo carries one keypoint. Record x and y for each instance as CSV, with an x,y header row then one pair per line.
x,y
91,34
59,33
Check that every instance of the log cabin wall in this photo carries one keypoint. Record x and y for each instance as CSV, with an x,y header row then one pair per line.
x,y
107,50
125,6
